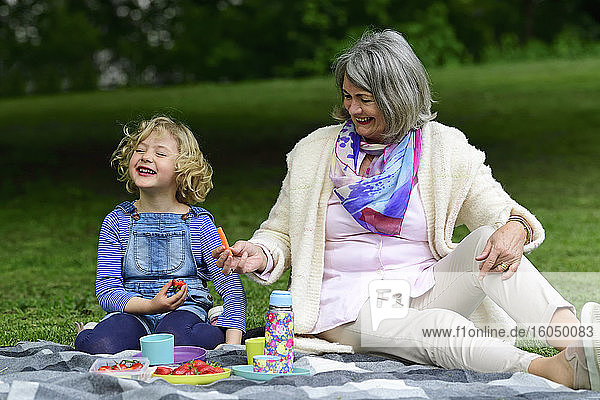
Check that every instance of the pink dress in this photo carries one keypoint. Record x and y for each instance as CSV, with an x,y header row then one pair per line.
x,y
355,256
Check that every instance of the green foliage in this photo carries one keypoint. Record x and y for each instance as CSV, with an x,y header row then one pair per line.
x,y
570,43
433,37
65,45
45,55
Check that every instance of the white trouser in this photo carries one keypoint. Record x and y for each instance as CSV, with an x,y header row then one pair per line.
x,y
527,297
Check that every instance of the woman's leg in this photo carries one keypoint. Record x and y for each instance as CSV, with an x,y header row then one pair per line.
x,y
189,330
527,296
116,333
434,337
412,338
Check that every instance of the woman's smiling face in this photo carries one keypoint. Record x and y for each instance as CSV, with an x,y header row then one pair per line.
x,y
361,106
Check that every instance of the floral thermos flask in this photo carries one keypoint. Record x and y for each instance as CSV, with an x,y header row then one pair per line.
x,y
279,330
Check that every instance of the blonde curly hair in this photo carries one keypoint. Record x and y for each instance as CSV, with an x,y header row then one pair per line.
x,y
193,172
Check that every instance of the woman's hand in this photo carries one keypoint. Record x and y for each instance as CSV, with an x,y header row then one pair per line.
x,y
161,303
244,257
503,248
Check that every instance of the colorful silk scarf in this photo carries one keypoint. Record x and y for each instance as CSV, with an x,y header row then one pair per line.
x,y
378,200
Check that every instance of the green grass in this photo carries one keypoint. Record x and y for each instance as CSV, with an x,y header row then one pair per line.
x,y
537,123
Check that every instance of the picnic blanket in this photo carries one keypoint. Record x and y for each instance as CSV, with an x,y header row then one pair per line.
x,y
46,370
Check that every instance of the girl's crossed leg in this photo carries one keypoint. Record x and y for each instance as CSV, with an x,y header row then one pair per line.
x,y
116,333
123,331
189,330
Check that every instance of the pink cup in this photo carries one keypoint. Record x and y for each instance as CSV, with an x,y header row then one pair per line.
x,y
267,364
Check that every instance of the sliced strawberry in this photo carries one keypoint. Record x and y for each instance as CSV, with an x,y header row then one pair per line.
x,y
163,371
136,365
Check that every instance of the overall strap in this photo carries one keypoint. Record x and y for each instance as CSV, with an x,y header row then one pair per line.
x,y
196,212
129,209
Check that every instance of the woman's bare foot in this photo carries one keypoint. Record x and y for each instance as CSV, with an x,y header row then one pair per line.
x,y
578,366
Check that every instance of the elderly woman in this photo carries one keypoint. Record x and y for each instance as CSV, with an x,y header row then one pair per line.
x,y
378,197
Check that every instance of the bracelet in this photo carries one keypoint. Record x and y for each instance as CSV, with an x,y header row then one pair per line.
x,y
523,221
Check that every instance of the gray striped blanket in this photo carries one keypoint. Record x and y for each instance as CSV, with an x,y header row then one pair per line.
x,y
46,370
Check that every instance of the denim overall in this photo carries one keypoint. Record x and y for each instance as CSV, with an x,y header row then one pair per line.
x,y
160,249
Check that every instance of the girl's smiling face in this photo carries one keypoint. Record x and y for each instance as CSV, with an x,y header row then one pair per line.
x,y
361,106
152,164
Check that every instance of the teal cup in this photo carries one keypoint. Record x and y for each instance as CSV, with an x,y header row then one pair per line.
x,y
159,348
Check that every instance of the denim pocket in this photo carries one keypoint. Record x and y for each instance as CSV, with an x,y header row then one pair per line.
x,y
199,297
158,252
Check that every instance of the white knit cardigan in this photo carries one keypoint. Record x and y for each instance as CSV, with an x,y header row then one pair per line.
x,y
456,188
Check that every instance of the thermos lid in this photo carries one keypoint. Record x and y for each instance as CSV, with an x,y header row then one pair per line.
x,y
280,298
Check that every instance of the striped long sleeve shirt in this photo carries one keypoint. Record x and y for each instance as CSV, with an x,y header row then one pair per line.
x,y
112,244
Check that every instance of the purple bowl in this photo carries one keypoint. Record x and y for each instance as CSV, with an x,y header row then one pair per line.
x,y
185,353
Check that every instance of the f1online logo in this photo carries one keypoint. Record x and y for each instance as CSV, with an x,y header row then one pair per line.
x,y
388,299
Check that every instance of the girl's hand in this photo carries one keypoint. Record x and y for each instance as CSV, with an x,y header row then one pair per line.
x,y
244,257
503,248
162,302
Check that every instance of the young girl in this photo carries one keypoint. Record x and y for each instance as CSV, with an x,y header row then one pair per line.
x,y
159,237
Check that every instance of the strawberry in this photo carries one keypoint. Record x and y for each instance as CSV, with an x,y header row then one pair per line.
x,y
163,371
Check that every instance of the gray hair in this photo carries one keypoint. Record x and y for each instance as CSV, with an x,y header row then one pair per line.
x,y
384,64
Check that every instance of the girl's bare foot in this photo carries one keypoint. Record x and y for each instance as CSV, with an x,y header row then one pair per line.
x,y
81,326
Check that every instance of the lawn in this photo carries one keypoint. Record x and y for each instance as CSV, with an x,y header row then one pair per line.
x,y
536,121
